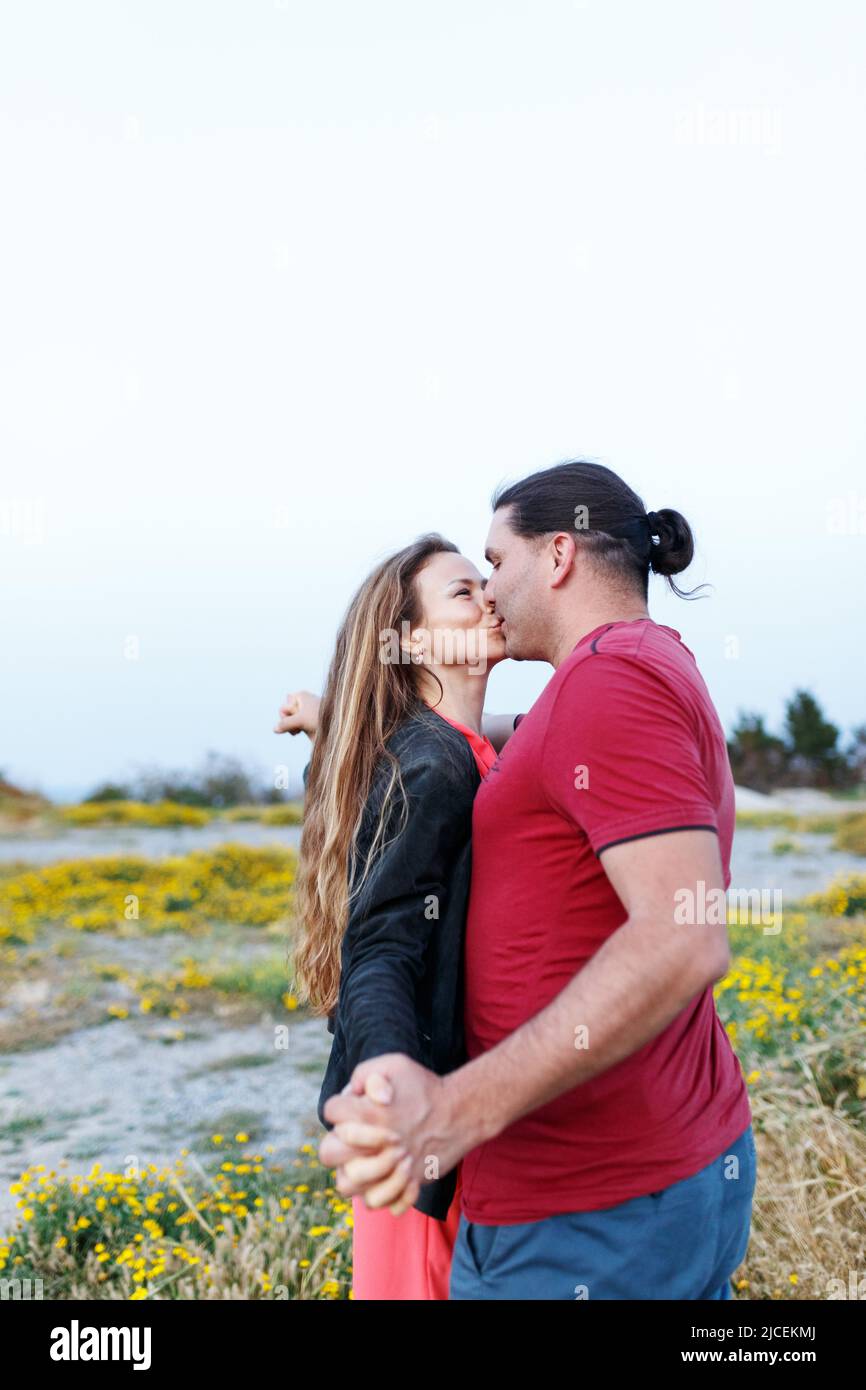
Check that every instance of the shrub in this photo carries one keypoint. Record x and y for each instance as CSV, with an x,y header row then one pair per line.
x,y
851,834
160,813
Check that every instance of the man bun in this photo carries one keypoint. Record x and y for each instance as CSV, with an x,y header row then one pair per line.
x,y
675,548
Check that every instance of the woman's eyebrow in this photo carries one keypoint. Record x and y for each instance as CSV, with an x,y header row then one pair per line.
x,y
465,581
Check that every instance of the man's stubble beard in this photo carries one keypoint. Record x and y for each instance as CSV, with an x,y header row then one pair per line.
x,y
520,651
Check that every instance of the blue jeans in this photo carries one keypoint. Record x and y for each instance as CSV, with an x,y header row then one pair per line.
x,y
683,1242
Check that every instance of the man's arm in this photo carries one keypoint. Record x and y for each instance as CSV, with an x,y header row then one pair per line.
x,y
499,728
299,713
641,977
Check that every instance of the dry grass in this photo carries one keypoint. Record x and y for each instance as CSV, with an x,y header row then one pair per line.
x,y
851,834
809,1224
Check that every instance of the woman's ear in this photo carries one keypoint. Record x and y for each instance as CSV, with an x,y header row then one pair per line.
x,y
414,648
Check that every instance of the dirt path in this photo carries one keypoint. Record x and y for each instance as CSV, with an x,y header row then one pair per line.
x,y
123,1093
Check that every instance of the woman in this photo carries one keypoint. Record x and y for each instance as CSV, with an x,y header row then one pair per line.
x,y
383,882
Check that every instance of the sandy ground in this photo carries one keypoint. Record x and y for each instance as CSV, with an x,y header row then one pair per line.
x,y
122,1094
801,800
40,843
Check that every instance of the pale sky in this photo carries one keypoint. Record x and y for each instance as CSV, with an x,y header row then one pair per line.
x,y
284,285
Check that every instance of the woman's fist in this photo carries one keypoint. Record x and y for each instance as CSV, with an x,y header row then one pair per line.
x,y
299,714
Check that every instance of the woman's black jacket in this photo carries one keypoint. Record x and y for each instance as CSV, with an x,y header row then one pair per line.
x,y
401,982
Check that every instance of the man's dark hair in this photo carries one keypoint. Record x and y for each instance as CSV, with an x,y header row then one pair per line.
x,y
608,518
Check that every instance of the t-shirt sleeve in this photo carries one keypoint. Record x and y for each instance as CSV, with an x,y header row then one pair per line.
x,y
621,757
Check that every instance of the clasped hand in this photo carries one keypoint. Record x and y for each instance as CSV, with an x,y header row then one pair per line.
x,y
391,1132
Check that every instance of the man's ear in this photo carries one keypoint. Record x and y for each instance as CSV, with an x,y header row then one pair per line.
x,y
564,552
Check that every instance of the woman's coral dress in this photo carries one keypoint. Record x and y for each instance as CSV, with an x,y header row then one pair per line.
x,y
409,1256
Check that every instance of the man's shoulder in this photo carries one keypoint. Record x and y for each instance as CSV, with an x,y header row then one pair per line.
x,y
633,651
624,671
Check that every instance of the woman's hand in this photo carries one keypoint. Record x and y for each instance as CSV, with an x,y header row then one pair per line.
x,y
373,1154
372,1157
299,714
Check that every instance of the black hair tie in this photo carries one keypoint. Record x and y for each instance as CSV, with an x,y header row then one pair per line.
x,y
654,523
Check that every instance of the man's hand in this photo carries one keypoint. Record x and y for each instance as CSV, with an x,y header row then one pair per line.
x,y
420,1115
299,714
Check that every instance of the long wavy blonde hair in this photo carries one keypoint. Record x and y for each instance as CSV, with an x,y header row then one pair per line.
x,y
364,701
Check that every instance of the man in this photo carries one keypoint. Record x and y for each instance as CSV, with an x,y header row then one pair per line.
x,y
602,1119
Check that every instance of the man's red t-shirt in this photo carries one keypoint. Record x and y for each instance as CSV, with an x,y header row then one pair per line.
x,y
631,708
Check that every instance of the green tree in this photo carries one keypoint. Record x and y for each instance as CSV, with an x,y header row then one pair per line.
x,y
813,742
109,791
758,759
855,756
